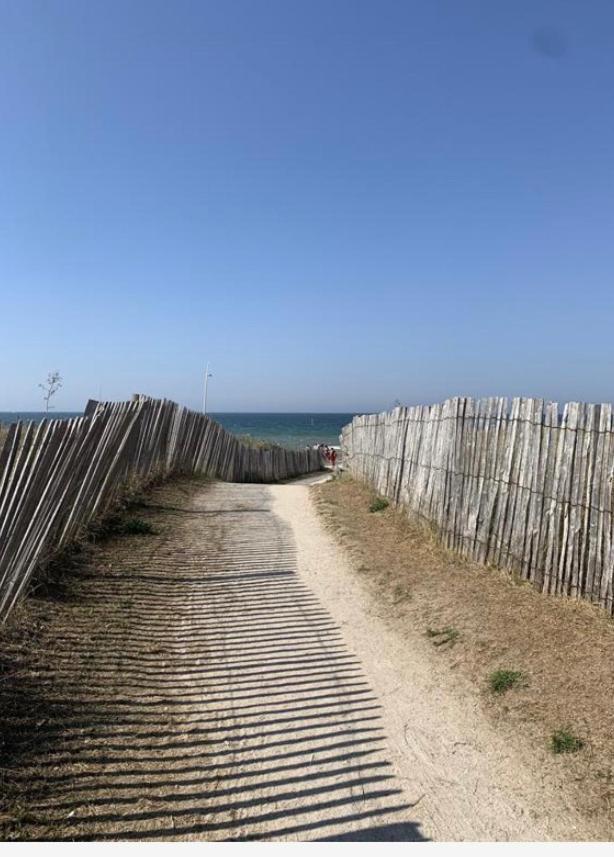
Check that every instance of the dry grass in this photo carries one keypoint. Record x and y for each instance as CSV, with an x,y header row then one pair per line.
x,y
256,442
67,656
563,649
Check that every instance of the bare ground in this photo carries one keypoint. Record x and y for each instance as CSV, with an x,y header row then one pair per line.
x,y
563,648
238,676
189,685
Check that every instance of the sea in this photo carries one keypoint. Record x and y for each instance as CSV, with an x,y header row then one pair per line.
x,y
289,430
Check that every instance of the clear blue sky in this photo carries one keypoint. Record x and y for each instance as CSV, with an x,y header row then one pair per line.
x,y
337,203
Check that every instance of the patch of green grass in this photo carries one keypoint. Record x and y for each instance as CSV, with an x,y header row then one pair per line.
x,y
135,527
502,680
563,741
443,635
378,504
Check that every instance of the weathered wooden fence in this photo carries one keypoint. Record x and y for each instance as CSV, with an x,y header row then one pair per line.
x,y
523,488
57,476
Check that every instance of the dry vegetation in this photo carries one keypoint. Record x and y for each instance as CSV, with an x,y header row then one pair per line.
x,y
542,667
67,656
256,442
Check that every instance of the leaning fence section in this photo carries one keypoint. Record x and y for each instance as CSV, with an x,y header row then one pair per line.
x,y
517,484
58,476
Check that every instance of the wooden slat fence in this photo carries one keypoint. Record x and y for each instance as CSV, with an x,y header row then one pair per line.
x,y
518,486
58,476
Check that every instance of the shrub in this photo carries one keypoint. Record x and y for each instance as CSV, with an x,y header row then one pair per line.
x,y
563,741
136,527
257,443
502,680
378,504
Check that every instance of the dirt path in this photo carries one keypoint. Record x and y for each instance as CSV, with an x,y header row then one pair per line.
x,y
230,678
462,779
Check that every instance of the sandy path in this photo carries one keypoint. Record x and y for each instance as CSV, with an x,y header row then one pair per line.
x,y
229,678
460,779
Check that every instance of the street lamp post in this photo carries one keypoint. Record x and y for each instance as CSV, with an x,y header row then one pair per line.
x,y
207,376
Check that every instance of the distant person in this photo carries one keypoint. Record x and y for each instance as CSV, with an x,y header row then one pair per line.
x,y
333,457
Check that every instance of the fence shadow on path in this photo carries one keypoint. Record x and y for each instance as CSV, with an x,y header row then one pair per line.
x,y
194,688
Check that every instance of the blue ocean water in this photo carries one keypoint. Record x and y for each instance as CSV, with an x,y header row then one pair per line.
x,y
290,430
36,416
